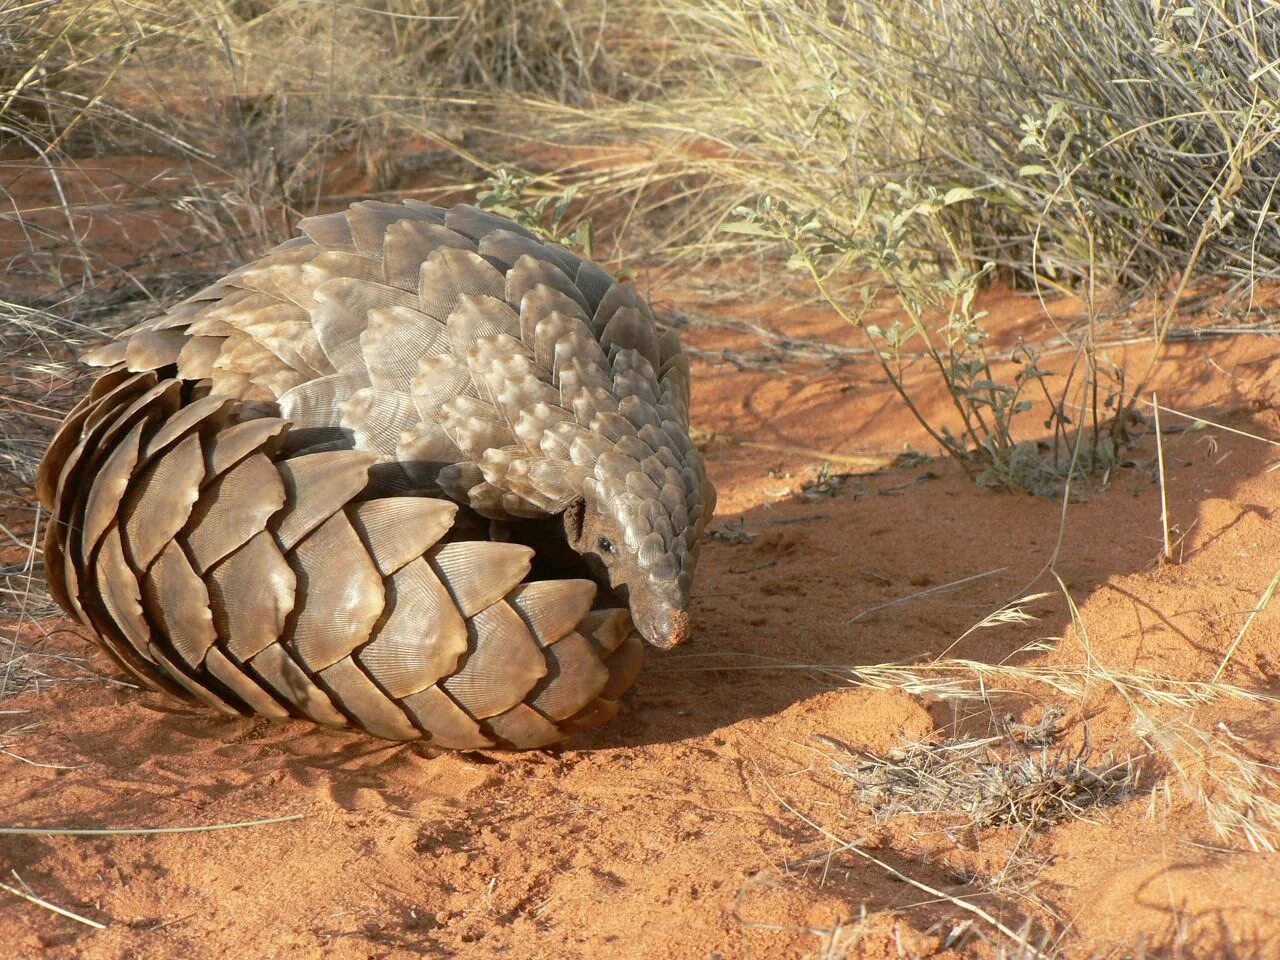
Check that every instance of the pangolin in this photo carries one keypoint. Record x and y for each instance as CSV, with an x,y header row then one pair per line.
x,y
415,471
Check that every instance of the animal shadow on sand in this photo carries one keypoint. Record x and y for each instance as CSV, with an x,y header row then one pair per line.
x,y
894,568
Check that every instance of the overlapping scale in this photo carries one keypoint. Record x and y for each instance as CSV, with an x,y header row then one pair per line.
x,y
502,663
340,595
422,637
251,593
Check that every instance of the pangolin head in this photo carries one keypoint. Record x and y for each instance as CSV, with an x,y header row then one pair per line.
x,y
618,466
599,410
639,532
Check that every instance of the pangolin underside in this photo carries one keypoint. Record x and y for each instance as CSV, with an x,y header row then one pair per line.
x,y
415,472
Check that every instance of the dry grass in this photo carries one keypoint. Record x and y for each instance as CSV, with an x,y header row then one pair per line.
x,y
1114,145
1223,774
1138,156
1102,143
36,360
257,104
35,354
1016,778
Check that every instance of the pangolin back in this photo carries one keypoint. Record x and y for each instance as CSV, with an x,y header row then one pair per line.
x,y
300,492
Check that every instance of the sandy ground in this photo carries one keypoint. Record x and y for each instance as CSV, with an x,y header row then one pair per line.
x,y
711,818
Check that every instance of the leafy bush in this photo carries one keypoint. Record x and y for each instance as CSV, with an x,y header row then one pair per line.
x,y
940,332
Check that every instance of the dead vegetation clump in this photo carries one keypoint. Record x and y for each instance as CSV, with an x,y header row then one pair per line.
x,y
1015,778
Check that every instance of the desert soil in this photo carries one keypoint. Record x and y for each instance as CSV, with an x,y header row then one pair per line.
x,y
711,818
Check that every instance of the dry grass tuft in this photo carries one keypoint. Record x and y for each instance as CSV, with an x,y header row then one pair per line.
x,y
1222,773
40,384
1114,146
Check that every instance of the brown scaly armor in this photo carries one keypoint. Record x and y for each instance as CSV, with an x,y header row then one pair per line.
x,y
415,471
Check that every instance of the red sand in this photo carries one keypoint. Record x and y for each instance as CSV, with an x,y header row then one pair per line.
x,y
701,822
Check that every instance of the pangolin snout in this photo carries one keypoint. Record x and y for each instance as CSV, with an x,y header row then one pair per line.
x,y
663,626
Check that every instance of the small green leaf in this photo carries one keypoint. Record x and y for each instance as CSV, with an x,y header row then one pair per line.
x,y
991,385
958,195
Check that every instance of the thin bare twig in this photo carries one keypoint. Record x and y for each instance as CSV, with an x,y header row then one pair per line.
x,y
1166,554
1263,601
135,831
63,911
924,593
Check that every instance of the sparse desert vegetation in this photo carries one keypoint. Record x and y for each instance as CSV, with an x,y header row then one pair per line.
x,y
981,303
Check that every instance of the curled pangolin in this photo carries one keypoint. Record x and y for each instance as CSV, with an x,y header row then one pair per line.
x,y
415,471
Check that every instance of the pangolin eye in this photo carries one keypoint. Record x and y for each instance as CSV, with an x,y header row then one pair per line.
x,y
604,545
